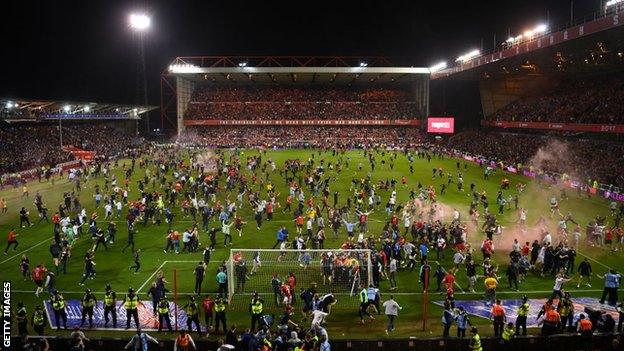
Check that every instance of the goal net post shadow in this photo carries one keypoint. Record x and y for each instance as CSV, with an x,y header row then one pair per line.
x,y
327,271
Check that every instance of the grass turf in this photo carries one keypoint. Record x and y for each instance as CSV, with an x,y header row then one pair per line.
x,y
112,265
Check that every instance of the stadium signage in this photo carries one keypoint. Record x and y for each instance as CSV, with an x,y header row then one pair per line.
x,y
571,127
440,125
310,122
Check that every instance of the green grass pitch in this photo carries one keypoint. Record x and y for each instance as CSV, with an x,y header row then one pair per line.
x,y
112,265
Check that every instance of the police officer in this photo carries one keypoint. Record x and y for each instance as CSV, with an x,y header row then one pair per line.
x,y
22,319
88,302
131,303
523,312
110,306
192,315
255,307
39,320
508,334
475,340
220,306
163,313
58,305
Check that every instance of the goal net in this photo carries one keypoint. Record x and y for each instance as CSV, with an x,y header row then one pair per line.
x,y
265,271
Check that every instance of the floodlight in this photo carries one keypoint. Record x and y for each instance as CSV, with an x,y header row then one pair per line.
x,y
66,108
540,29
184,68
242,64
87,108
437,67
15,105
363,64
469,56
9,104
139,21
613,2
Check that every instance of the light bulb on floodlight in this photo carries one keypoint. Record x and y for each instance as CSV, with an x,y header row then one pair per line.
x,y
139,21
15,105
437,67
363,64
9,104
540,29
66,108
242,64
87,109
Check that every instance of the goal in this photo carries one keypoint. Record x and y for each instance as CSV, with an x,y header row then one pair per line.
x,y
335,271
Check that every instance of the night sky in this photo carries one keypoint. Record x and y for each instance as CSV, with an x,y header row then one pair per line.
x,y
84,50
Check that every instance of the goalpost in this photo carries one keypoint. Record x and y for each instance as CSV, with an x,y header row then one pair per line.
x,y
334,271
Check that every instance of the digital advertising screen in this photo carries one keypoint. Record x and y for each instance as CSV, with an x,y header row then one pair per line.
x,y
441,125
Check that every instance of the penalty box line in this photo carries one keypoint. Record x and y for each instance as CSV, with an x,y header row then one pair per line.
x,y
148,280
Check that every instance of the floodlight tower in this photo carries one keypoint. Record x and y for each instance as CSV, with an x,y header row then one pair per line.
x,y
140,23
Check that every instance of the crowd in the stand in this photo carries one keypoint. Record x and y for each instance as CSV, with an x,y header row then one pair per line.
x,y
302,136
255,103
594,99
27,146
581,158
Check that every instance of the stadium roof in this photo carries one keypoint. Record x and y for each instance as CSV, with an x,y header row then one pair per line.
x,y
15,109
293,70
597,44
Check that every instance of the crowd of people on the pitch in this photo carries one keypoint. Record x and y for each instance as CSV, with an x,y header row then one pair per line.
x,y
584,159
26,146
302,137
296,103
413,231
591,99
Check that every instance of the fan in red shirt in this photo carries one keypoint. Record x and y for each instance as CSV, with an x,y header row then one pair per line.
x,y
38,274
286,293
11,240
449,279
526,249
208,305
292,282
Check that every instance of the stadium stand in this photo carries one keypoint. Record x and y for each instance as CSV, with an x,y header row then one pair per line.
x,y
588,158
282,137
26,146
314,102
590,99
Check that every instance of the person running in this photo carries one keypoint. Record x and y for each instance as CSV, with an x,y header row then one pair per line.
x,y
391,309
137,261
38,274
11,241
